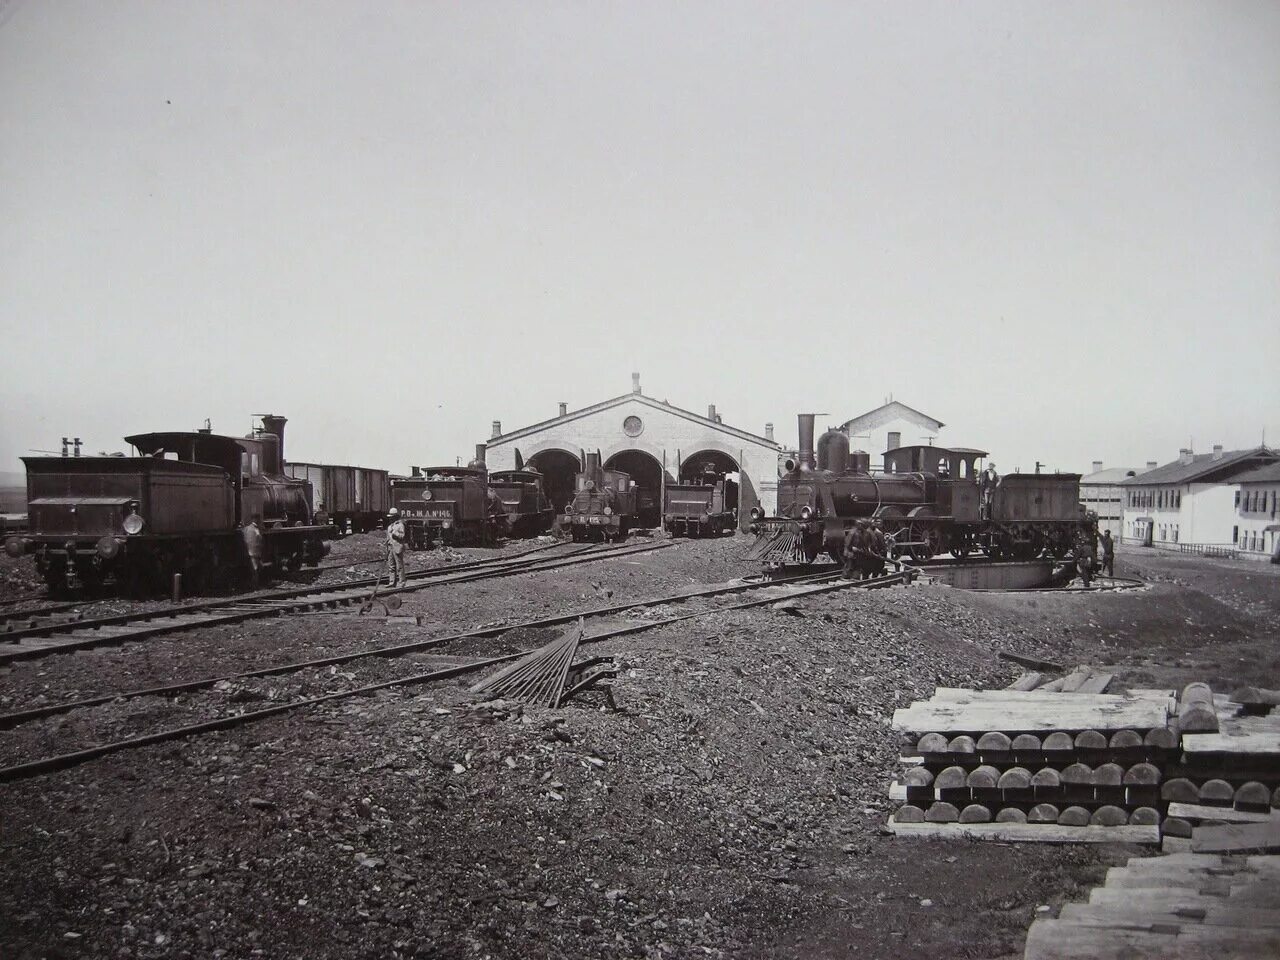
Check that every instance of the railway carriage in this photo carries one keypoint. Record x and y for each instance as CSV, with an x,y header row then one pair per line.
x,y
353,499
178,507
928,500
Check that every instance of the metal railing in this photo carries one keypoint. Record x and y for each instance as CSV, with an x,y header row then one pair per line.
x,y
1226,550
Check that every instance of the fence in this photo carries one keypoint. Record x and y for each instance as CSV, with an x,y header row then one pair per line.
x,y
1225,550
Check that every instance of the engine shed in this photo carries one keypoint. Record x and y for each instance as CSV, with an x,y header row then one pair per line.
x,y
654,441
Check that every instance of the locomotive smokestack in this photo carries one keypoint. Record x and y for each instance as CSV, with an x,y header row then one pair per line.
x,y
479,460
593,465
273,424
807,459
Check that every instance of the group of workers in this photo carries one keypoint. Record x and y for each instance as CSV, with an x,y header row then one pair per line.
x,y
865,550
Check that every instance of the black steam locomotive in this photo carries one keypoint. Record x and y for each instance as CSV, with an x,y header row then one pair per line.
x,y
604,504
179,507
928,500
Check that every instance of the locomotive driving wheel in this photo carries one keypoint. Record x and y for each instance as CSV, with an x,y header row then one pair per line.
x,y
925,532
894,525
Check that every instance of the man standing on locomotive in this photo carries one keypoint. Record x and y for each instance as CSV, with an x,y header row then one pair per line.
x,y
396,536
989,481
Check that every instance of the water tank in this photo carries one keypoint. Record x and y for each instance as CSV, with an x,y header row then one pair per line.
x,y
833,451
860,461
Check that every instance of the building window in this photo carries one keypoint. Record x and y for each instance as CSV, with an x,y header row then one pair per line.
x,y
1179,503
1235,534
1237,499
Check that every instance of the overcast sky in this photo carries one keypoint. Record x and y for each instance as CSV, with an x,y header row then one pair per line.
x,y
1055,227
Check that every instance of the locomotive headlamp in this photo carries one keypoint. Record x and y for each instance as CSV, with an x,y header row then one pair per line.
x,y
806,512
757,513
426,493
447,525
591,484
133,523
608,511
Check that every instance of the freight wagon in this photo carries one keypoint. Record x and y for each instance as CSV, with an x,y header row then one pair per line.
x,y
353,499
696,510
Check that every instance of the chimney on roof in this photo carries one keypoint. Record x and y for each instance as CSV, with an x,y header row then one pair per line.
x,y
1217,451
1097,466
768,431
497,429
1185,456
415,471
711,411
635,383
564,409
1151,464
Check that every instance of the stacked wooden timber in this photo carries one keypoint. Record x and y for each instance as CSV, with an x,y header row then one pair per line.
x,y
1052,766
1184,905
1229,770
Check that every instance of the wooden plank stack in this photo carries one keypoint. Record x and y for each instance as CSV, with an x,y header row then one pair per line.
x,y
1229,770
1175,907
1051,765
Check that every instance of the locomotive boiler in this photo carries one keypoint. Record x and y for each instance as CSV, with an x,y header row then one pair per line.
x,y
177,507
928,500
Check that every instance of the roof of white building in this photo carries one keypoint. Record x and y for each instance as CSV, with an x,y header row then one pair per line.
x,y
1206,467
1109,477
887,413
1268,474
638,398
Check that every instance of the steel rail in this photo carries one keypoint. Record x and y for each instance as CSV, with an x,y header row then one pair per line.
x,y
138,627
287,593
16,718
33,768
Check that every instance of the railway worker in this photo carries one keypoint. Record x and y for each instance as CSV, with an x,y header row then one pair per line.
x,y
1084,559
854,544
396,536
1108,553
251,535
877,549
990,478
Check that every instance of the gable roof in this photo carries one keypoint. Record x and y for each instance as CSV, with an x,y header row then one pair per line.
x,y
893,410
1268,474
1203,468
638,398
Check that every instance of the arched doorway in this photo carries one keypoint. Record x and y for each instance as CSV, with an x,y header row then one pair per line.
x,y
558,469
646,472
712,466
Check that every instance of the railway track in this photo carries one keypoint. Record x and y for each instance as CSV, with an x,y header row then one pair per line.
x,y
810,584
60,637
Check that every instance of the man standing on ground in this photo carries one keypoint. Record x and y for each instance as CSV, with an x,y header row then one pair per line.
x,y
251,535
854,544
1108,554
396,536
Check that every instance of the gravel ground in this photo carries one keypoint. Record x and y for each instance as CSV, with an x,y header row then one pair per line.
x,y
730,806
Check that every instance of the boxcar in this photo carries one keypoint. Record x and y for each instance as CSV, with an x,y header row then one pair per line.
x,y
353,499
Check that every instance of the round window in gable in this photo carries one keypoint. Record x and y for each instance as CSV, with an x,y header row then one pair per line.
x,y
633,426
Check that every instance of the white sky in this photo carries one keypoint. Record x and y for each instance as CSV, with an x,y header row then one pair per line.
x,y
1054,226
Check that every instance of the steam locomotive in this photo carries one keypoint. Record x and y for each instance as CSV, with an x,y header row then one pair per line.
x,y
178,507
697,509
928,500
604,504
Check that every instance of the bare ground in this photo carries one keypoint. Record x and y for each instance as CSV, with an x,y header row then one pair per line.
x,y
730,807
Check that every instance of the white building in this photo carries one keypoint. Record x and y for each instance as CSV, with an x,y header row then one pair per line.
x,y
1257,528
1100,491
652,440
888,427
1191,500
